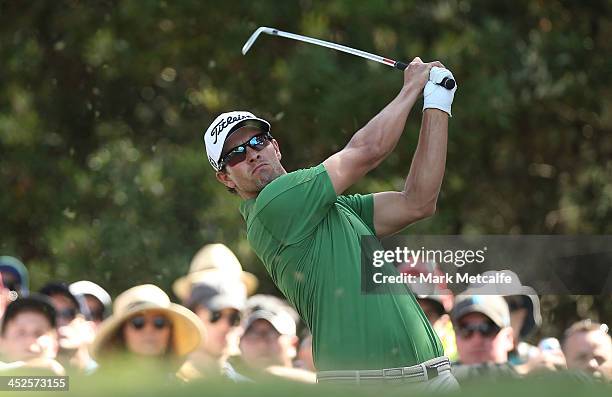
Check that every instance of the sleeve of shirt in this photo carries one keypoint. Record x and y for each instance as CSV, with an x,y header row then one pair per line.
x,y
293,205
362,205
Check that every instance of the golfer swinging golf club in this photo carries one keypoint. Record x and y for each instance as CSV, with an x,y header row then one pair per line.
x,y
308,234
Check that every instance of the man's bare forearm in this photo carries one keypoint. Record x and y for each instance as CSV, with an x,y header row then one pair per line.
x,y
427,169
380,135
373,143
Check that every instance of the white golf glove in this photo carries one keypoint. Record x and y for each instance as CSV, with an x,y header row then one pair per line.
x,y
435,96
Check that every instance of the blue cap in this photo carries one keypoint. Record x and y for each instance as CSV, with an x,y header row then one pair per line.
x,y
14,266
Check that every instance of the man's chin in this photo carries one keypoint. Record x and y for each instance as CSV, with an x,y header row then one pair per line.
x,y
477,358
265,179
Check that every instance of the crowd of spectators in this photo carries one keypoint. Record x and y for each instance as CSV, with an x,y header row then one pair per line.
x,y
222,329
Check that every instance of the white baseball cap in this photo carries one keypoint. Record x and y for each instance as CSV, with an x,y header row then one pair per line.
x,y
281,321
226,123
85,287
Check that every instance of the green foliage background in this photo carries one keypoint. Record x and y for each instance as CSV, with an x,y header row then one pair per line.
x,y
102,106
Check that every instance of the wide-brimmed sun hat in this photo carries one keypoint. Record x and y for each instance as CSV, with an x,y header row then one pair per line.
x,y
187,329
213,260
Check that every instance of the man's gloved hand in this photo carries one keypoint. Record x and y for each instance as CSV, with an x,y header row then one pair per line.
x,y
435,96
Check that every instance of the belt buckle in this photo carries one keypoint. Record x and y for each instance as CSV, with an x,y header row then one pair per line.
x,y
432,372
393,373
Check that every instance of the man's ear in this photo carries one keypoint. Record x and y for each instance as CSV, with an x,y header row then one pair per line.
x,y
277,149
225,179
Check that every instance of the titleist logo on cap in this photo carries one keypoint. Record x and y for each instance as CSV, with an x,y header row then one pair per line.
x,y
216,130
213,162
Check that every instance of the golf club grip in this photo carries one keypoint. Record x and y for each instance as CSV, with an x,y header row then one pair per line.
x,y
446,82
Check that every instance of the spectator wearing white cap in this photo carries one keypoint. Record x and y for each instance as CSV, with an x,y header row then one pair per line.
x,y
269,343
98,303
269,334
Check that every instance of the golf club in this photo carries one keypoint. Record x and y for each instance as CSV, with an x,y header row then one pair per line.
x,y
446,82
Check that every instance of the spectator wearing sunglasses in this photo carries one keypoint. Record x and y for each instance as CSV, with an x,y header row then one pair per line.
x,y
147,328
218,302
484,336
97,301
525,316
14,275
66,304
75,332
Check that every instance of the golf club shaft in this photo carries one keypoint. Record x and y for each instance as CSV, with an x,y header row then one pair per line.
x,y
446,82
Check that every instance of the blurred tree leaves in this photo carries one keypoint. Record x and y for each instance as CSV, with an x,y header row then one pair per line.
x,y
102,106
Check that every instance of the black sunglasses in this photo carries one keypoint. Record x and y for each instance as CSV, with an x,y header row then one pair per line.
x,y
233,319
487,330
159,322
238,154
68,314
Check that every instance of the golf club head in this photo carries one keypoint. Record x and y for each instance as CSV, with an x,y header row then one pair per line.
x,y
254,36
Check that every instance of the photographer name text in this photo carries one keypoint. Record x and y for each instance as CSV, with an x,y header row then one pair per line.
x,y
459,278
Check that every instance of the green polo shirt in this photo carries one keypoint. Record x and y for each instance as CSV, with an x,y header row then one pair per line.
x,y
309,241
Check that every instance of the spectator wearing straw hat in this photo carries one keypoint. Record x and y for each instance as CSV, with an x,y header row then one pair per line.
x,y
147,328
212,260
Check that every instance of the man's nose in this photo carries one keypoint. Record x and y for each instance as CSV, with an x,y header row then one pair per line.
x,y
592,363
252,154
